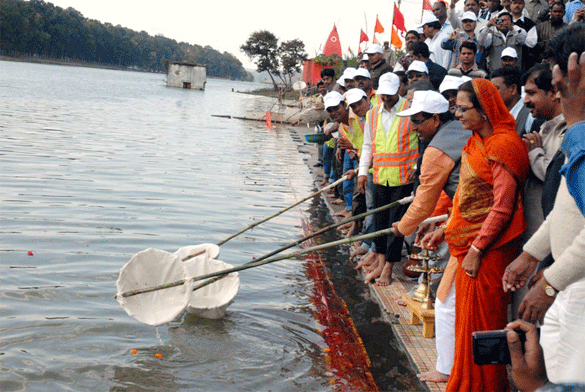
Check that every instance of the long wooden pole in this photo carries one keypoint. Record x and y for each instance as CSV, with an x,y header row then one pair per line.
x,y
405,200
283,210
256,263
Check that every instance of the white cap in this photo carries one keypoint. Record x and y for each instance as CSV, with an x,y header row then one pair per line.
x,y
427,18
385,77
364,73
419,30
349,73
469,15
354,95
365,57
509,52
341,81
418,66
389,86
374,48
450,82
332,99
428,102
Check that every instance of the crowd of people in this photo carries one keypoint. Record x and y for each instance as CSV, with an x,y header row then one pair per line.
x,y
481,119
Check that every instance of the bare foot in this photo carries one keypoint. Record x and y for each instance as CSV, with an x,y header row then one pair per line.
x,y
372,266
400,302
375,273
352,230
433,376
358,252
337,201
386,278
345,227
324,182
330,196
366,261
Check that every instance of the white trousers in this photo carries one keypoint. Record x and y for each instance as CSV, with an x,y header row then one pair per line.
x,y
562,336
445,331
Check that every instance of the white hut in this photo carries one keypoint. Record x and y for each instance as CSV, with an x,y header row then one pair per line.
x,y
186,75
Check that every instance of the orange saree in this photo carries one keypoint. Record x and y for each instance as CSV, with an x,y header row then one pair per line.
x,y
487,212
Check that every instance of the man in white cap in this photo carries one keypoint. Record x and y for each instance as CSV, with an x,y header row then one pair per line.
x,y
392,147
363,80
453,43
448,89
351,141
352,135
432,30
431,119
420,52
348,75
338,112
417,71
509,58
378,64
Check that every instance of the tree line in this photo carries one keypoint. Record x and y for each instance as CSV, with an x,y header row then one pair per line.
x,y
40,29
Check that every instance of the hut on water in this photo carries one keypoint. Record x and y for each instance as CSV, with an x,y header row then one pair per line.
x,y
186,75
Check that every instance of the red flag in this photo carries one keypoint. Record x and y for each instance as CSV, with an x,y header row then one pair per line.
x,y
333,46
396,41
378,28
427,5
363,37
269,120
399,19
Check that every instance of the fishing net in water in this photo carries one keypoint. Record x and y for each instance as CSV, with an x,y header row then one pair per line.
x,y
151,268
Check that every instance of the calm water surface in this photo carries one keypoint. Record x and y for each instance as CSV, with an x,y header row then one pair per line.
x,y
96,165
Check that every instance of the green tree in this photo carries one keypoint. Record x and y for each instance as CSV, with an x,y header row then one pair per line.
x,y
262,48
292,54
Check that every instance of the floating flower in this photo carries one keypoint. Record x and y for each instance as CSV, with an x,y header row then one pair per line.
x,y
30,253
133,351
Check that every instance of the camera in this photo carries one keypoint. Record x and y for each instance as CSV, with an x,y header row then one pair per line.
x,y
491,347
499,22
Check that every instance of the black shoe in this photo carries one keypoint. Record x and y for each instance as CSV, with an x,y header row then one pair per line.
x,y
318,164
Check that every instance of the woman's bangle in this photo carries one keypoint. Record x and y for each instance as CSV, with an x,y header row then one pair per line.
x,y
475,249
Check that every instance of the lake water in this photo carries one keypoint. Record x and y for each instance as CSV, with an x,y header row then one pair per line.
x,y
96,165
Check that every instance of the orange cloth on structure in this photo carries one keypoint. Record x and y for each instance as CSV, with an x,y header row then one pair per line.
x,y
488,167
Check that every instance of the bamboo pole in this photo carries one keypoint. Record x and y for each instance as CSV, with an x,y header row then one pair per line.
x,y
256,263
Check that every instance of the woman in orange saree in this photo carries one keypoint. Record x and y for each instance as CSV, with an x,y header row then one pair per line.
x,y
483,228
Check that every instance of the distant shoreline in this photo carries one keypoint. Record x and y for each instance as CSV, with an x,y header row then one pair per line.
x,y
39,60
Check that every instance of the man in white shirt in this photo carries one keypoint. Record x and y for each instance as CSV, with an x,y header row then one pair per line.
x,y
432,30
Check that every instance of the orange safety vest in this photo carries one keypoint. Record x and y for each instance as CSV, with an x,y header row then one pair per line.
x,y
395,153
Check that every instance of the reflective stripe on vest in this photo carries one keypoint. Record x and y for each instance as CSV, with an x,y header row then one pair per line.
x,y
394,154
356,135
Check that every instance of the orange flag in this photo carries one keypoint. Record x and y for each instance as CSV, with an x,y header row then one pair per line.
x,y
269,120
333,46
427,5
375,40
396,41
378,29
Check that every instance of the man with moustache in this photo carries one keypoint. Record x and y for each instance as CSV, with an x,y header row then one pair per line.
x,y
440,12
453,43
378,65
363,81
392,147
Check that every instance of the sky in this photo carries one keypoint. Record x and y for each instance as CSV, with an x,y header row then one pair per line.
x,y
226,25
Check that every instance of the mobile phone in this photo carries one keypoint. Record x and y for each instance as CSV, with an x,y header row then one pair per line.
x,y
491,347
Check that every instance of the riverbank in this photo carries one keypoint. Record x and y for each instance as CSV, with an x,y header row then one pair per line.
x,y
391,330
